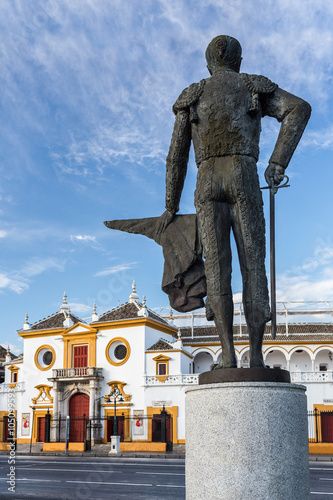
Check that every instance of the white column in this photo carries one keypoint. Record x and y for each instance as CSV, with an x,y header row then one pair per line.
x,y
313,365
92,399
55,399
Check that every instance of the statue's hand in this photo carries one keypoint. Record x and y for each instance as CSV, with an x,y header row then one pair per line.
x,y
165,219
274,175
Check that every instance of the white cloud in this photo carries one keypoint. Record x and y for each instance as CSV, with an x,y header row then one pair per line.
x,y
116,269
83,237
18,281
78,308
3,233
15,284
39,265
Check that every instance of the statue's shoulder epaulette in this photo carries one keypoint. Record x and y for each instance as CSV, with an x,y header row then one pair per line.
x,y
258,84
189,97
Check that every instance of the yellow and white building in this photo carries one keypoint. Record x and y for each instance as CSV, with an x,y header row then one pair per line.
x,y
70,367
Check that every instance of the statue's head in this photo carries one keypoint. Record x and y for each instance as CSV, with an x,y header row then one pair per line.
x,y
223,51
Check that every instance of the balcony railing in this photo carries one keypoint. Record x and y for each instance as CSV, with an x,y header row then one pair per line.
x,y
86,372
312,376
19,387
193,379
190,379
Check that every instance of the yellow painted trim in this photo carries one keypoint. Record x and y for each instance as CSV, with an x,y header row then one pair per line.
x,y
23,440
181,441
12,385
47,389
302,346
38,413
41,333
2,427
5,446
126,323
107,405
110,413
123,361
161,357
144,446
277,348
203,347
62,447
168,350
45,346
323,347
321,448
120,385
162,360
153,410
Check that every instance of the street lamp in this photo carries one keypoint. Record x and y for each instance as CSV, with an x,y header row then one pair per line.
x,y
115,394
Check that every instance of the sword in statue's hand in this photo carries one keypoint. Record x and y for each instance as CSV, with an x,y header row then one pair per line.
x,y
272,191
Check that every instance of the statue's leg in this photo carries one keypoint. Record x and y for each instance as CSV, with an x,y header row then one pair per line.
x,y
214,228
248,225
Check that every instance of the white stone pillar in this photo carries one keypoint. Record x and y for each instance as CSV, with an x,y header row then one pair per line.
x,y
313,365
246,441
92,399
55,399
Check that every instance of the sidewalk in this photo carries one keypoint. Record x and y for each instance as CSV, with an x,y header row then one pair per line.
x,y
99,450
102,450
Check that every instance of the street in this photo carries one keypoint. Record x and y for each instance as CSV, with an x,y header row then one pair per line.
x,y
60,478
85,478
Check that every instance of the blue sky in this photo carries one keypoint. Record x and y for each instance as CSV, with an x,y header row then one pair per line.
x,y
85,123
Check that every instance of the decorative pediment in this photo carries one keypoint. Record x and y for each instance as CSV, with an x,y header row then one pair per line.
x,y
79,328
161,358
120,386
44,396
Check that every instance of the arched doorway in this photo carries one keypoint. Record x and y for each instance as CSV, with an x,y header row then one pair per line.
x,y
202,362
79,417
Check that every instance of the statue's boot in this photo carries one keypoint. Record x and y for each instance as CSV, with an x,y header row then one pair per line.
x,y
256,324
223,309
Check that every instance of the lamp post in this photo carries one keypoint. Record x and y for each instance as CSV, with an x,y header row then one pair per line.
x,y
116,395
32,427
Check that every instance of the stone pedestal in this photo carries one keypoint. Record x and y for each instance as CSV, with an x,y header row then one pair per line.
x,y
115,445
247,441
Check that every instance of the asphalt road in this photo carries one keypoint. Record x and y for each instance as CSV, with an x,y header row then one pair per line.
x,y
321,480
81,478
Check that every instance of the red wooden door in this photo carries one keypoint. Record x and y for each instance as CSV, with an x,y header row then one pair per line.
x,y
120,428
326,426
80,356
157,428
41,430
79,415
5,424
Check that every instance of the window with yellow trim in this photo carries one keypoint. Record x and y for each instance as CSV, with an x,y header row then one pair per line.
x,y
45,357
162,367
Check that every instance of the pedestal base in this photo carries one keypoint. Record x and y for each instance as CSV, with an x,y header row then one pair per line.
x,y
247,441
115,445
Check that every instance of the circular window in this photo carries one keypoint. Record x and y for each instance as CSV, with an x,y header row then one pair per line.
x,y
117,351
47,358
44,357
120,352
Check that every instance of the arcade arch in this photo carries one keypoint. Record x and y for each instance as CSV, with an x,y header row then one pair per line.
x,y
202,362
300,360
